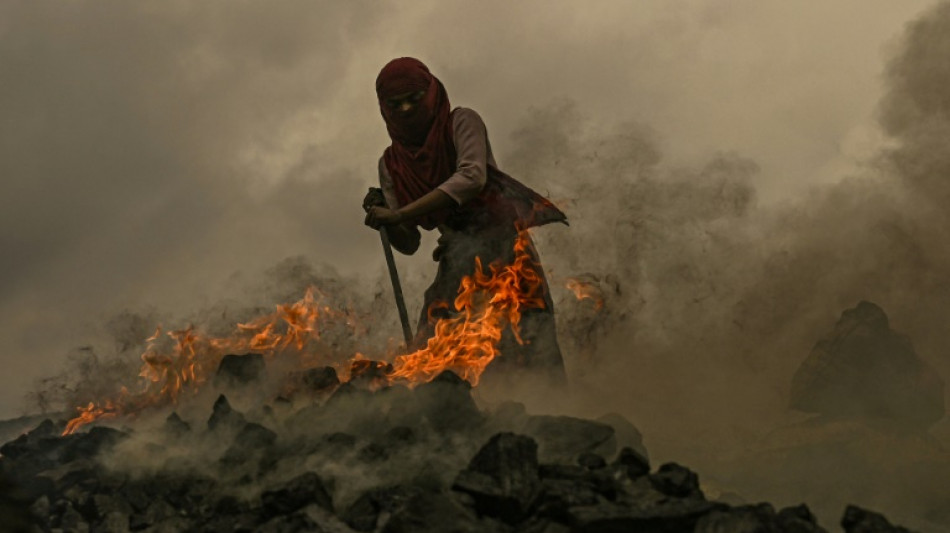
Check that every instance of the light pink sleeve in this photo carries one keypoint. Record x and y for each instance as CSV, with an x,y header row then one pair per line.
x,y
471,146
386,184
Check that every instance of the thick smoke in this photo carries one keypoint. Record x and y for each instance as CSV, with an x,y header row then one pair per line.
x,y
711,301
711,298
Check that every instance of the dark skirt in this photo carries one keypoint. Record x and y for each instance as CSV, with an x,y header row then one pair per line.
x,y
539,354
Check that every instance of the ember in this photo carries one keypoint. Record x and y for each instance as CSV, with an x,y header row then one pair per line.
x,y
396,459
465,343
586,289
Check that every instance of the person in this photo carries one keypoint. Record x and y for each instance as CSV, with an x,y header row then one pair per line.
x,y
439,173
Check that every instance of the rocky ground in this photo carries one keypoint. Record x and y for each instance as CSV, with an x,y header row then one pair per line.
x,y
344,457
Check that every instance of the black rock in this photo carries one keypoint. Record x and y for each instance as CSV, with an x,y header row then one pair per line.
x,y
348,394
591,461
84,472
558,495
447,403
864,369
428,512
254,435
858,520
71,520
510,413
300,491
87,445
399,437
745,519
99,506
363,514
175,426
294,523
15,506
223,416
625,433
237,370
249,443
137,496
632,463
555,471
672,516
503,477
30,441
320,379
373,453
798,519
675,480
182,492
562,438
113,522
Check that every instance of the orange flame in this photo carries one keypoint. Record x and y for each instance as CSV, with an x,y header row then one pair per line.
x,y
167,373
486,305
465,343
586,289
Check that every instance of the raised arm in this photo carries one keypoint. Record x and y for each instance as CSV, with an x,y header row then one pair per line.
x,y
471,174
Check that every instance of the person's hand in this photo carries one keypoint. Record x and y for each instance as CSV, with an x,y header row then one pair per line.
x,y
377,216
373,198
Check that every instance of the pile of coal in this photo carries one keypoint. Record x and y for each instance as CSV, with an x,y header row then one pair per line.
x,y
864,370
393,460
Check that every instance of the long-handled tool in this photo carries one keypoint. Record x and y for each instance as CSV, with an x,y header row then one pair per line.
x,y
397,289
394,277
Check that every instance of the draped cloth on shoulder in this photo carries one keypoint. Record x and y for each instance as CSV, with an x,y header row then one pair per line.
x,y
422,156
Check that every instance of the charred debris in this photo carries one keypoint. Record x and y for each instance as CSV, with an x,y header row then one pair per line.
x,y
345,457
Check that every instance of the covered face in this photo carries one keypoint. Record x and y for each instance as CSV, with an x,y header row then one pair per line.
x,y
411,100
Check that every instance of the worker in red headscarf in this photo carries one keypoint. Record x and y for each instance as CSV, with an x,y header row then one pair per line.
x,y
439,173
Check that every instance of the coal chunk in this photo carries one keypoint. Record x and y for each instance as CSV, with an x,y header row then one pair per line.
x,y
798,519
858,520
293,523
671,516
591,461
349,394
223,416
428,512
447,402
175,426
562,438
626,434
249,443
745,519
319,379
632,463
31,441
300,491
236,370
864,369
675,480
503,477
88,444
364,513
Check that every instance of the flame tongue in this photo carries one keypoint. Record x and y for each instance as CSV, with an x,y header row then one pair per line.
x,y
486,305
465,343
586,289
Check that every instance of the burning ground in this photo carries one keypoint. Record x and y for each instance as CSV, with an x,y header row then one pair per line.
x,y
402,445
360,456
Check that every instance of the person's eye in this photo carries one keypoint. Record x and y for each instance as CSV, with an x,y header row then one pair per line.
x,y
392,104
418,96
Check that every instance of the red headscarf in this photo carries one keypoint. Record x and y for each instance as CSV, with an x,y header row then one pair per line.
x,y
422,154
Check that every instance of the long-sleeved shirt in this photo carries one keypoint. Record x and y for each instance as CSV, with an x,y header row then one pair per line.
x,y
473,155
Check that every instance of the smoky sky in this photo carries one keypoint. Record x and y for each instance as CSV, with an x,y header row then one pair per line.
x,y
736,173
152,150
